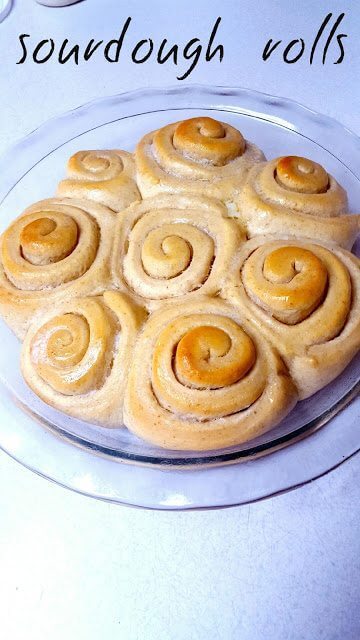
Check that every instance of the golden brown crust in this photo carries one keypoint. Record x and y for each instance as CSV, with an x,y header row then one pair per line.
x,y
318,330
107,177
296,196
57,250
77,355
225,404
201,156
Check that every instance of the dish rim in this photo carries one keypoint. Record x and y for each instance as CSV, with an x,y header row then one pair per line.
x,y
215,91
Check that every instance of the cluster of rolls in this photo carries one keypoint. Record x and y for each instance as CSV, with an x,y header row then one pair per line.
x,y
192,291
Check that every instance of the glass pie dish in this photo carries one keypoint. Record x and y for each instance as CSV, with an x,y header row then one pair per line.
x,y
92,459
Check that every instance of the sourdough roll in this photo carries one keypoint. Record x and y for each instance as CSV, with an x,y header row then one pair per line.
x,y
104,176
76,356
296,196
200,155
209,379
172,246
305,298
58,249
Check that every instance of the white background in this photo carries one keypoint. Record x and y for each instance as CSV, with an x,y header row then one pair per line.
x,y
71,567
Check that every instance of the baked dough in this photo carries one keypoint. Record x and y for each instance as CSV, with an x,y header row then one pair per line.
x,y
77,355
106,177
173,246
304,298
208,379
296,196
200,155
239,330
58,249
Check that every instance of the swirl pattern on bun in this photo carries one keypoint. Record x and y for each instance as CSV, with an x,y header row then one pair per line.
x,y
170,246
107,177
298,197
200,155
305,298
76,356
209,379
57,249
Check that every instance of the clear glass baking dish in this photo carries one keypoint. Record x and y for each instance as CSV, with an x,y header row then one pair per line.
x,y
44,439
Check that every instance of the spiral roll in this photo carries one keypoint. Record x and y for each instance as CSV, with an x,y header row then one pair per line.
x,y
76,356
58,249
200,155
305,298
208,379
171,246
106,177
298,197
